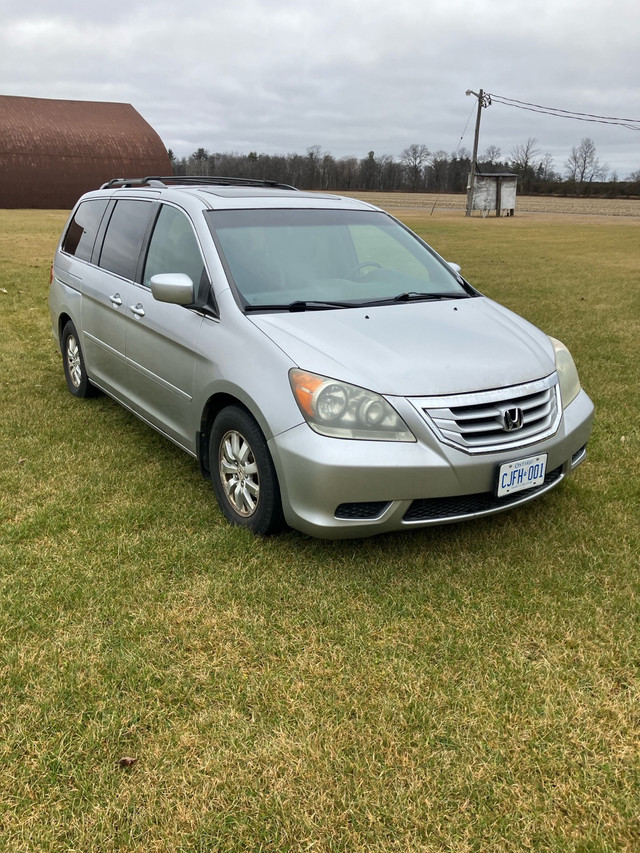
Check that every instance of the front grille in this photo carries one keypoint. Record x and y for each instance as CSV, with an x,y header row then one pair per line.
x,y
477,423
441,509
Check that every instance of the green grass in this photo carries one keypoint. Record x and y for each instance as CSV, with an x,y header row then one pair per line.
x,y
466,688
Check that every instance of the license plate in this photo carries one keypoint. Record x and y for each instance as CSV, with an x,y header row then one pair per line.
x,y
521,474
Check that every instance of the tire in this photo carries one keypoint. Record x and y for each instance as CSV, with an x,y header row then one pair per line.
x,y
73,361
242,473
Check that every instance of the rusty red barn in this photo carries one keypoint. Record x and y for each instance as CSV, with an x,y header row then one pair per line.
x,y
52,151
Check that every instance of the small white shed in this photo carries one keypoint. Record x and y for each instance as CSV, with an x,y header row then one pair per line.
x,y
495,191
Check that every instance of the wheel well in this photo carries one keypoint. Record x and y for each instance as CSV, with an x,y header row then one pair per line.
x,y
212,409
63,319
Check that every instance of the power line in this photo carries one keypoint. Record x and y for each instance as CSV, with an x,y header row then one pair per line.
x,y
629,123
473,109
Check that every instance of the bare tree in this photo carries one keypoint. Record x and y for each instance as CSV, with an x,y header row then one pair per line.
x,y
415,169
387,172
439,167
347,171
523,162
583,165
198,163
328,171
312,164
458,171
491,155
545,170
414,159
369,172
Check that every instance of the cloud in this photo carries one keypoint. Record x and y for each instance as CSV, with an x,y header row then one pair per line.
x,y
348,75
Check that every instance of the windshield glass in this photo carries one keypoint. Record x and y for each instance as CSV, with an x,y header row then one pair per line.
x,y
279,257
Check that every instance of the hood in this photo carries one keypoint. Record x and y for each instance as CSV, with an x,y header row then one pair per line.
x,y
415,349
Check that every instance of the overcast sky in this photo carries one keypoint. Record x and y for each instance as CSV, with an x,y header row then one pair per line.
x,y
352,76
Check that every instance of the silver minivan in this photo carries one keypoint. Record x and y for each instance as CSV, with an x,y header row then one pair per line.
x,y
324,365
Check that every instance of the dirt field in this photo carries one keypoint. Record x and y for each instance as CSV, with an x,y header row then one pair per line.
x,y
524,204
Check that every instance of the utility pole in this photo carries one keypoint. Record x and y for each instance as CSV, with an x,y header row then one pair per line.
x,y
483,101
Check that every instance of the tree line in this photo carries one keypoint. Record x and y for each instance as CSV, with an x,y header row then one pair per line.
x,y
418,169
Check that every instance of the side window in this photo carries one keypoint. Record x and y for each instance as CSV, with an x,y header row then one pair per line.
x,y
82,230
173,248
125,233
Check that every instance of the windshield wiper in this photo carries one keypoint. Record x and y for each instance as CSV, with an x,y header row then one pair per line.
x,y
302,305
323,305
417,296
317,305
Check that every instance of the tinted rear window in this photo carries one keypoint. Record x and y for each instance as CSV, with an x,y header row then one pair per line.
x,y
82,230
125,233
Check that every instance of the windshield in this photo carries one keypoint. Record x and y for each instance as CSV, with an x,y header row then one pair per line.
x,y
326,259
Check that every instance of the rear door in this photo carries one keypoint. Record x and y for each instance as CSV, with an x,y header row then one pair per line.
x,y
106,292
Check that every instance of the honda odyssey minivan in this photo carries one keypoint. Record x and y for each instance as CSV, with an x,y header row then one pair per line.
x,y
326,367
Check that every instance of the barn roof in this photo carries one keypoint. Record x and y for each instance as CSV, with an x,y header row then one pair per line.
x,y
51,151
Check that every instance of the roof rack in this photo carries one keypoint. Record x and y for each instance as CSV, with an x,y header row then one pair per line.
x,y
156,181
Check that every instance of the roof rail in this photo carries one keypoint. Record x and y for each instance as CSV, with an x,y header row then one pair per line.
x,y
156,181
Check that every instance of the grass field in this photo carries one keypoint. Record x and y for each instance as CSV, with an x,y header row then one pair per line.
x,y
547,205
170,683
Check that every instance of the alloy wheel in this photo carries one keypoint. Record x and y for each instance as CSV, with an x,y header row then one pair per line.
x,y
239,473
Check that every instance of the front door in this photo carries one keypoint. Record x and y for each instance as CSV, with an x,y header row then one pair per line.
x,y
161,338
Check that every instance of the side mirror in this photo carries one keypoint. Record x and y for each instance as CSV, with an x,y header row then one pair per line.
x,y
173,287
455,267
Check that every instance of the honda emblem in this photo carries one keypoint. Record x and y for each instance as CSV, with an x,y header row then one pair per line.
x,y
512,419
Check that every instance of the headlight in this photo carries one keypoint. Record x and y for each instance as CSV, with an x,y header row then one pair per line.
x,y
341,410
567,373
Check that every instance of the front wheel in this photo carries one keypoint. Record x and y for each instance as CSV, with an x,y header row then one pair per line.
x,y
73,360
242,473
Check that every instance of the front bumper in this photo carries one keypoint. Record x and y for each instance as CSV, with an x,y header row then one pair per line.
x,y
338,489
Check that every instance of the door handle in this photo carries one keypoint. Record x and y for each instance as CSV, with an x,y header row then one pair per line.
x,y
116,299
138,310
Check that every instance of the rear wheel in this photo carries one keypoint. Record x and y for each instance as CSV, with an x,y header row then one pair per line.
x,y
73,360
242,473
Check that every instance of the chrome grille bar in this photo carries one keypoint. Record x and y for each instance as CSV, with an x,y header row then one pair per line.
x,y
495,420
